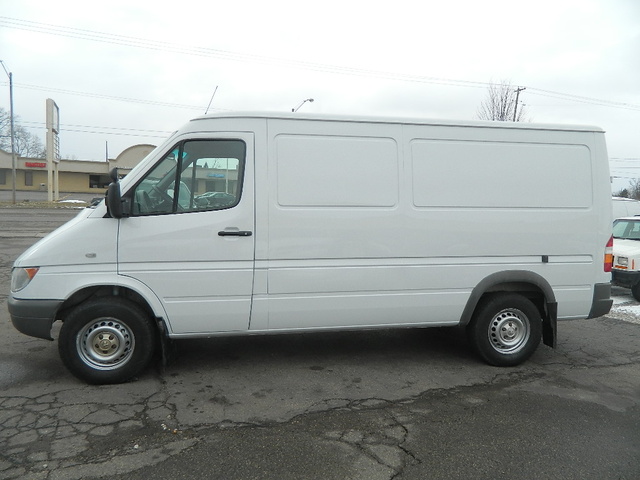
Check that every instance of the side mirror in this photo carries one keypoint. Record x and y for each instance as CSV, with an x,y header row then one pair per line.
x,y
114,198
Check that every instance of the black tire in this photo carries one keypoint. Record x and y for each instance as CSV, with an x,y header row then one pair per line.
x,y
635,291
506,329
107,340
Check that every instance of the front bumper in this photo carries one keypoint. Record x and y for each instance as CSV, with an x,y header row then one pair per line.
x,y
33,317
625,278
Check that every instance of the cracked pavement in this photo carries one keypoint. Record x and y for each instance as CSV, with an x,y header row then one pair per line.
x,y
403,404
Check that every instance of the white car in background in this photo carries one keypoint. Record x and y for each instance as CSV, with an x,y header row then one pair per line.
x,y
626,254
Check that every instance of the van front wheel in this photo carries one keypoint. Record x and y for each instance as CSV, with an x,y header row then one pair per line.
x,y
506,329
107,340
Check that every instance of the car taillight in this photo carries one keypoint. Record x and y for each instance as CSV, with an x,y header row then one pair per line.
x,y
608,255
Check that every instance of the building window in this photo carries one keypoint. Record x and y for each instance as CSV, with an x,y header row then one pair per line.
x,y
99,181
3,177
28,179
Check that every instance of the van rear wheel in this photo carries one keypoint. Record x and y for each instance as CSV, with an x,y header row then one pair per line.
x,y
506,329
107,340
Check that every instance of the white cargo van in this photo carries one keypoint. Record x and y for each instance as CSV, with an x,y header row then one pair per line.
x,y
625,207
256,224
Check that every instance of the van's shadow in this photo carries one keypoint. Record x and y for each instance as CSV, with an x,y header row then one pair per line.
x,y
431,345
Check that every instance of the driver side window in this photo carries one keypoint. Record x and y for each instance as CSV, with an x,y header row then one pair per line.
x,y
195,175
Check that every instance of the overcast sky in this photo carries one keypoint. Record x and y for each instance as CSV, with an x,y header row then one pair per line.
x,y
129,72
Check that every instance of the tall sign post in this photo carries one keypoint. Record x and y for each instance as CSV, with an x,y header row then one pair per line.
x,y
53,149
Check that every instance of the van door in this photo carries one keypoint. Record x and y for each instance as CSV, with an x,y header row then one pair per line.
x,y
189,234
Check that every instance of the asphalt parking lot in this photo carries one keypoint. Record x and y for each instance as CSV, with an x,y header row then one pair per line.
x,y
408,404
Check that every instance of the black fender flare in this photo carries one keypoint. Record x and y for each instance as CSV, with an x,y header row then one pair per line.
x,y
513,280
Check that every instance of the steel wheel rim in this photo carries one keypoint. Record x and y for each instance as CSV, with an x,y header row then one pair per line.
x,y
105,344
509,331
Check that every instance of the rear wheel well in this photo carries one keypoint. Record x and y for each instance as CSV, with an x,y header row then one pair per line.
x,y
506,328
538,292
527,290
529,284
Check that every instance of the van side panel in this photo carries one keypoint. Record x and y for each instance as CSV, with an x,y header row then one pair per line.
x,y
372,224
509,194
331,164
490,174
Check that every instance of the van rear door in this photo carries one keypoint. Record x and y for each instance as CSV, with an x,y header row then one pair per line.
x,y
189,235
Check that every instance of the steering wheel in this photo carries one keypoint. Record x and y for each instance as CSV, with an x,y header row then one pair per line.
x,y
162,196
146,199
145,205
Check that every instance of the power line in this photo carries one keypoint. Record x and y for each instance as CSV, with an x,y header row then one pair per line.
x,y
102,130
136,42
581,99
121,134
129,41
109,97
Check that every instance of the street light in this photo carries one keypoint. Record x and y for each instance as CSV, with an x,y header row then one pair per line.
x,y
310,100
13,149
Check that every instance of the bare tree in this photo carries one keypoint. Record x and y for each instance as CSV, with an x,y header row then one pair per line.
x,y
502,103
26,144
5,129
624,193
633,190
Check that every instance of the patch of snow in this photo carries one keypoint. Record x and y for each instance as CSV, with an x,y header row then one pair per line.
x,y
626,308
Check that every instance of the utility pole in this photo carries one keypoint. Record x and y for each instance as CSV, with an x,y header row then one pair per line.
x,y
13,141
515,109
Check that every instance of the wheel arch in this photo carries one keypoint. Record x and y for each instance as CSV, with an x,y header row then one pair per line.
x,y
529,284
146,300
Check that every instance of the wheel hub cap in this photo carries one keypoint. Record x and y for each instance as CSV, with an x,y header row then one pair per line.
x,y
106,344
509,331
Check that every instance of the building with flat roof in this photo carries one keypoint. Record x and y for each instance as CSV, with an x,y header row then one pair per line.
x,y
74,176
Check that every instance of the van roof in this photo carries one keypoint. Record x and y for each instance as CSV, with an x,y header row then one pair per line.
x,y
398,120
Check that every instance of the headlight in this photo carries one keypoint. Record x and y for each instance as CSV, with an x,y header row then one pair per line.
x,y
20,277
624,261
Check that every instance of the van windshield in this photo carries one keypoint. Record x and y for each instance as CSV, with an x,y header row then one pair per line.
x,y
626,229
